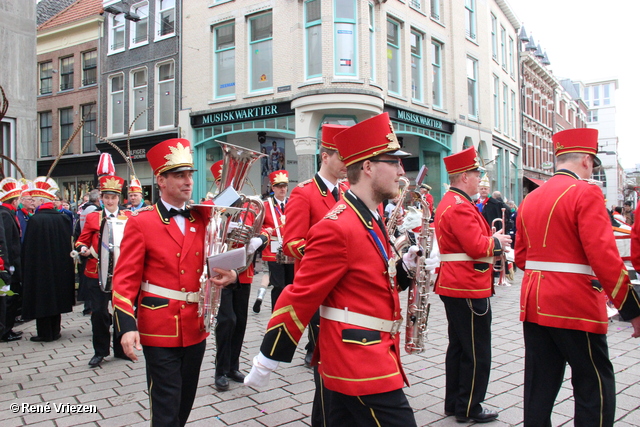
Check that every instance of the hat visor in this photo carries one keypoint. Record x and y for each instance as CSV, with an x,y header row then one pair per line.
x,y
596,162
110,191
181,169
398,153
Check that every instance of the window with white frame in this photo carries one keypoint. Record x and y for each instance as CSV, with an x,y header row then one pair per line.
x,y
138,99
46,133
46,77
139,31
596,96
90,68
592,116
435,10
470,18
416,4
416,65
513,114
261,52
503,46
8,144
313,34
606,100
66,128
472,87
166,17
116,33
496,102
436,73
505,109
165,95
393,57
116,105
89,129
345,38
225,60
586,97
66,73
511,66
494,37
372,43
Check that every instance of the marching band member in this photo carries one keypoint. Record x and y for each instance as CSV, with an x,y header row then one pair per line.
x,y
464,284
566,248
164,247
309,201
280,275
88,245
347,253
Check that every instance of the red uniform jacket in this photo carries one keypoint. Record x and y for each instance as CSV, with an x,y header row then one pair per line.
x,y
90,237
308,204
153,249
635,241
270,222
565,221
343,267
461,229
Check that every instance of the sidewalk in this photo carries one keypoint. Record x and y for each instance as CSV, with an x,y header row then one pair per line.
x,y
57,373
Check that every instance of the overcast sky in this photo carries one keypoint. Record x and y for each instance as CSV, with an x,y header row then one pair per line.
x,y
589,40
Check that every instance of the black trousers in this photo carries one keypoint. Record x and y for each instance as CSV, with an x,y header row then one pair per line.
x,y
172,380
100,317
468,359
371,410
280,275
48,327
14,304
230,327
547,351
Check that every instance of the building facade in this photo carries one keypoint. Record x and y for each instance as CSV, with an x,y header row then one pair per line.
x,y
68,48
267,78
18,80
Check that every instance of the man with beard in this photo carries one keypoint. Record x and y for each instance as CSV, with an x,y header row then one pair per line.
x,y
348,253
48,289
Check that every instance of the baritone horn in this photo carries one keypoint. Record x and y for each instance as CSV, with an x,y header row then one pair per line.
x,y
237,162
500,262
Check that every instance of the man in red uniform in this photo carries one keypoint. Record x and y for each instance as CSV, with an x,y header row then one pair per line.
x,y
569,255
88,245
348,271
273,227
164,247
464,284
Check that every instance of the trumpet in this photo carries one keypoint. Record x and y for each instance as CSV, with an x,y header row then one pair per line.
x,y
500,262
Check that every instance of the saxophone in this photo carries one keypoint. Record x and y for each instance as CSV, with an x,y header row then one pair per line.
x,y
392,221
418,304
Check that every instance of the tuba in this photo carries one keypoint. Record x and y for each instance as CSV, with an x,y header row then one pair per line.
x,y
237,162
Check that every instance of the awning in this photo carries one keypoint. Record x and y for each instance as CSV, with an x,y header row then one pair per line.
x,y
537,182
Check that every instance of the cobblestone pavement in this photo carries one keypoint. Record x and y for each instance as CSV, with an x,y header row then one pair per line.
x,y
48,375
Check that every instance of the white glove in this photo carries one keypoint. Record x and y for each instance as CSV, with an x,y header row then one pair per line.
x,y
253,245
410,259
232,226
260,371
431,264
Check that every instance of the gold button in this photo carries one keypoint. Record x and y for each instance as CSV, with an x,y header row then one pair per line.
x,y
197,253
183,290
183,306
181,271
178,254
364,340
198,271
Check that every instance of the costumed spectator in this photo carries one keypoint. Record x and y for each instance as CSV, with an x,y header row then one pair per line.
x,y
483,193
10,190
159,272
347,251
231,322
273,227
570,259
629,216
135,194
91,205
464,283
49,289
26,208
88,245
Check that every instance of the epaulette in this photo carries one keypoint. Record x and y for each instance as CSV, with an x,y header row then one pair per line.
x,y
337,210
303,183
591,181
146,208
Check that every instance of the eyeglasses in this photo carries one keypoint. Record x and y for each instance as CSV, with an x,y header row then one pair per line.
x,y
397,163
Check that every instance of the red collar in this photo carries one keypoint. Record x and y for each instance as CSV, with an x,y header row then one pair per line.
x,y
9,206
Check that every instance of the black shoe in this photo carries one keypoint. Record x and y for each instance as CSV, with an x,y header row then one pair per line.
x,y
96,361
38,338
16,332
256,306
485,416
11,336
86,312
20,320
307,359
236,376
449,413
222,383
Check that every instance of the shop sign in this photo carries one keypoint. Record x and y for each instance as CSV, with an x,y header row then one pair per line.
x,y
241,115
421,120
140,153
547,165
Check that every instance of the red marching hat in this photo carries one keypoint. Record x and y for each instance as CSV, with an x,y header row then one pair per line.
x,y
279,177
111,184
216,170
369,138
328,132
463,161
172,155
105,165
582,140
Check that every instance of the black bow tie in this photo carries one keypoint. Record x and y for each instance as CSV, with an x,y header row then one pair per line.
x,y
184,212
